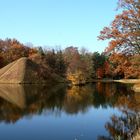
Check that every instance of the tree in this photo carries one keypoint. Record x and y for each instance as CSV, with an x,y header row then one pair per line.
x,y
98,61
11,49
86,58
61,66
79,65
55,60
72,58
118,67
50,58
122,66
40,50
124,30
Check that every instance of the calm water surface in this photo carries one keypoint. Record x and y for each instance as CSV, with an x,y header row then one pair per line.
x,y
96,111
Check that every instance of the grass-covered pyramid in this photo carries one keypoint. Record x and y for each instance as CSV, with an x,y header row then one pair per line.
x,y
21,71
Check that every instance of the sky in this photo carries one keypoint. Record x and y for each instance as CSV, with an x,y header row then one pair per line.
x,y
60,23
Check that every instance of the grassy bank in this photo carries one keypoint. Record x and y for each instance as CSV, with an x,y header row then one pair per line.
x,y
136,83
128,81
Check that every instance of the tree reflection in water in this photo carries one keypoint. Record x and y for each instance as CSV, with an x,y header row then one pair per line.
x,y
125,127
17,101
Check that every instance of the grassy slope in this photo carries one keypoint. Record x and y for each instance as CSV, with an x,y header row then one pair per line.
x,y
13,72
4,69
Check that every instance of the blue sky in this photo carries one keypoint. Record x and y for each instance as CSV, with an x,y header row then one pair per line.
x,y
57,22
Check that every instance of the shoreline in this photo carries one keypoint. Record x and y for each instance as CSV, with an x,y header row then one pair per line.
x,y
136,82
128,81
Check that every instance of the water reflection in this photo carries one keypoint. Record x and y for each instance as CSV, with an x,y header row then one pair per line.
x,y
14,94
78,99
17,101
124,127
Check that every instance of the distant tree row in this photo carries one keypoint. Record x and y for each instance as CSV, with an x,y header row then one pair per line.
x,y
79,66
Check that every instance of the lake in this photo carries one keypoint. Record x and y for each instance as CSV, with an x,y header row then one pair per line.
x,y
102,111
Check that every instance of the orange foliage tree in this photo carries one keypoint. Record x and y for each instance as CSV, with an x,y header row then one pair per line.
x,y
124,30
122,66
79,65
11,49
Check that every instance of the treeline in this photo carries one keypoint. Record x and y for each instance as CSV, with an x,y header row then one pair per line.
x,y
78,65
